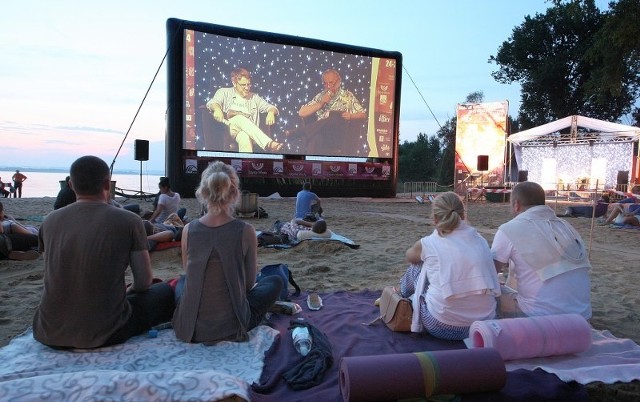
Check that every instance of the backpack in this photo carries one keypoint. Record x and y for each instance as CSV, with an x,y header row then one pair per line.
x,y
281,270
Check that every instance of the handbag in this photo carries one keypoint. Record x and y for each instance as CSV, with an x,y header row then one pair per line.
x,y
395,311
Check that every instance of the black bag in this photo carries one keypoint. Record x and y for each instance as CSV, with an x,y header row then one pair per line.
x,y
261,213
5,246
281,270
270,238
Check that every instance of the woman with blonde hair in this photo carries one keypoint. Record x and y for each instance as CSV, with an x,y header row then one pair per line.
x,y
218,298
452,280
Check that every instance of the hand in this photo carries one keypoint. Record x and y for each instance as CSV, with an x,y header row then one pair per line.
x,y
346,115
218,115
271,118
326,97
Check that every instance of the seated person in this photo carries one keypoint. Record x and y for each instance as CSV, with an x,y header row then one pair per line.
x,y
333,108
6,193
168,202
451,280
85,302
218,298
18,246
307,206
9,225
546,258
623,214
65,196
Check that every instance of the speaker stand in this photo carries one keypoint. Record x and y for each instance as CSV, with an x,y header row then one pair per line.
x,y
482,195
141,194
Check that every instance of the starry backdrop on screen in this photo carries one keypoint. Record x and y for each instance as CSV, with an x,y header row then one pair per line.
x,y
284,75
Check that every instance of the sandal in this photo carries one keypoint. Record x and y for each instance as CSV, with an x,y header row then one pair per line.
x,y
314,301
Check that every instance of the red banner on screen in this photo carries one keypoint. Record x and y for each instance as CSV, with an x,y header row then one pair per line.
x,y
269,168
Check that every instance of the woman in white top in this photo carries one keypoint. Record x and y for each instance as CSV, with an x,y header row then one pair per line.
x,y
168,202
452,280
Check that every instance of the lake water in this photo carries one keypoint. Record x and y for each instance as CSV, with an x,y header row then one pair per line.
x,y
47,184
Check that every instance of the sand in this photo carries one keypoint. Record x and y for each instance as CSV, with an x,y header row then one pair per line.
x,y
384,229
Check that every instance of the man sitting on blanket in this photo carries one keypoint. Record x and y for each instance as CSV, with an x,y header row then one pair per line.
x,y
547,257
307,206
88,246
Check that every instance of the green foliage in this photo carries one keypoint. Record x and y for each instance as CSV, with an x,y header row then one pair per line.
x,y
552,56
615,54
419,161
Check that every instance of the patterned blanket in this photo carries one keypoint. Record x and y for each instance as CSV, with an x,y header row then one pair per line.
x,y
142,369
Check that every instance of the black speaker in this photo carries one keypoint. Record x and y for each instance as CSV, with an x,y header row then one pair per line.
x,y
483,163
141,150
623,177
523,175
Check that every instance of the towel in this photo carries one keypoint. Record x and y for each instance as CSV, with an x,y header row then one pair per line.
x,y
608,359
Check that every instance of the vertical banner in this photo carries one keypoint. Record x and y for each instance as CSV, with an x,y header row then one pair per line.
x,y
384,79
189,87
481,136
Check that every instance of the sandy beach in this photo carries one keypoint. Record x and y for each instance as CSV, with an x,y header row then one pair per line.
x,y
384,229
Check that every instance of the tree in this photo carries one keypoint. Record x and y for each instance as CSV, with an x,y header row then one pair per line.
x,y
420,160
615,53
546,54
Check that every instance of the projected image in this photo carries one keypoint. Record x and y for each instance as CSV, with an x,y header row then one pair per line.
x,y
250,96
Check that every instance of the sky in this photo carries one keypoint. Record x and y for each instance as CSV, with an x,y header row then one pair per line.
x,y
74,75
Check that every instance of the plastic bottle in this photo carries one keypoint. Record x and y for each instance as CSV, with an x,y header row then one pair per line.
x,y
302,340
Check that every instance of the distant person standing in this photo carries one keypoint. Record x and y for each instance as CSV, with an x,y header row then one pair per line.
x,y
18,178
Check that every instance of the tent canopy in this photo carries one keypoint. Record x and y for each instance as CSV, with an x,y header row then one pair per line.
x,y
600,131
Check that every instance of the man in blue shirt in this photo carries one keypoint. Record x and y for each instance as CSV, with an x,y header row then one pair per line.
x,y
307,202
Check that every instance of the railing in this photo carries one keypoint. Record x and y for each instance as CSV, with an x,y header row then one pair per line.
x,y
420,188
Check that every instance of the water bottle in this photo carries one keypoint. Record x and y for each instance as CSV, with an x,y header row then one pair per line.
x,y
301,340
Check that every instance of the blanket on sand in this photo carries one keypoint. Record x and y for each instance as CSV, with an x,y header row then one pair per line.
x,y
142,369
341,321
292,243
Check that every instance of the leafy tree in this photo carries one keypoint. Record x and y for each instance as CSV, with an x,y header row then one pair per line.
x,y
447,136
546,55
419,160
615,54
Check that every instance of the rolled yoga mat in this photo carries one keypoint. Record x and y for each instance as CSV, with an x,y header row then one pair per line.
x,y
422,374
527,337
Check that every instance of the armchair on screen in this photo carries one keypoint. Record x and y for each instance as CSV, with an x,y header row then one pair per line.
x,y
338,137
216,136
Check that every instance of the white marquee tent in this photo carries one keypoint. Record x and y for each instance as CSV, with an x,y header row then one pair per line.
x,y
592,150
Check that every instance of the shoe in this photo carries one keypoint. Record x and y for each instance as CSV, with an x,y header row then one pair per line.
x,y
274,146
314,302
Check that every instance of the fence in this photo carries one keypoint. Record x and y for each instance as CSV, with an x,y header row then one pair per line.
x,y
420,188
